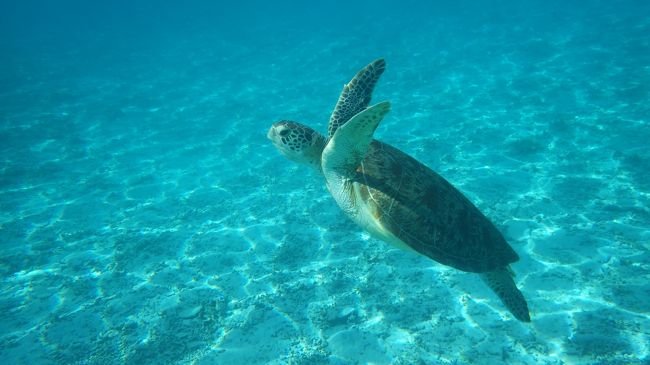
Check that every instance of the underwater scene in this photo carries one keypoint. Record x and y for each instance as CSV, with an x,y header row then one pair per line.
x,y
147,218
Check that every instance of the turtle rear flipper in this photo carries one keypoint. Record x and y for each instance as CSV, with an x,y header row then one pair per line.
x,y
500,281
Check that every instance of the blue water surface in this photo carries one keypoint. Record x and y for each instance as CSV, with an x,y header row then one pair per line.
x,y
146,219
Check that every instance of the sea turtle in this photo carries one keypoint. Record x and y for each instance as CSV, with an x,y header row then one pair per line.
x,y
396,198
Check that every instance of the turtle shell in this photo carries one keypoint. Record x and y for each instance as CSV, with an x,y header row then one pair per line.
x,y
427,213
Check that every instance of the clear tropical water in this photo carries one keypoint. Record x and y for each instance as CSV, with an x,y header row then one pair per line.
x,y
146,219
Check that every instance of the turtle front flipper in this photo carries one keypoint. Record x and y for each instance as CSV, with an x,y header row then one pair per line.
x,y
349,145
500,281
356,95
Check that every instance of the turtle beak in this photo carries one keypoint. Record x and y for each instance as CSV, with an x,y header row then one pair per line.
x,y
272,135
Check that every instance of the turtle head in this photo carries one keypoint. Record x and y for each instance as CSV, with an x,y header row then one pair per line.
x,y
298,142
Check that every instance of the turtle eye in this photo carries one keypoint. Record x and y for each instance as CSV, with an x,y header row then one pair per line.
x,y
284,133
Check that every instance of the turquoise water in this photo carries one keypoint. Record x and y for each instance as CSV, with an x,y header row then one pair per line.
x,y
146,219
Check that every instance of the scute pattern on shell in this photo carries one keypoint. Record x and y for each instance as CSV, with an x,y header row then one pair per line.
x,y
426,212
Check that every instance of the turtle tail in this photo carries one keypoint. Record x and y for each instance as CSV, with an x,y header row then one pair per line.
x,y
500,281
